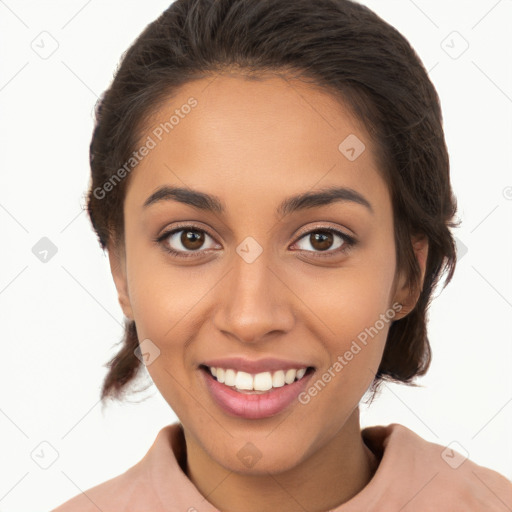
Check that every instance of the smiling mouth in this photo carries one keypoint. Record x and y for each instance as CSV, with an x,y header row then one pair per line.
x,y
248,383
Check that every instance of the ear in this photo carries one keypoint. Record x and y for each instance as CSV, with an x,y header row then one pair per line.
x,y
117,259
404,295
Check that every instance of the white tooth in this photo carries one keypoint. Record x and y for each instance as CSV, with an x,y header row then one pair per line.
x,y
263,381
278,379
244,381
300,373
213,371
221,375
290,376
229,377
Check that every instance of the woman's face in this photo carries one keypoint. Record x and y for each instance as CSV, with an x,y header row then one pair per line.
x,y
262,283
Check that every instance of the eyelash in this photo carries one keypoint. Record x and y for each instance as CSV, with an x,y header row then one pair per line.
x,y
348,241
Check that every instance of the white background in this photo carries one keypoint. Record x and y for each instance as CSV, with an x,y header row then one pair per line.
x,y
60,320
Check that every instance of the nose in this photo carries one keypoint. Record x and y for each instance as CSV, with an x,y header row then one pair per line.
x,y
254,302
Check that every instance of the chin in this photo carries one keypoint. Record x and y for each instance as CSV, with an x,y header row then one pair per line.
x,y
262,463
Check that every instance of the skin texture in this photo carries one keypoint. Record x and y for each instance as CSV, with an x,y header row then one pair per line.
x,y
252,144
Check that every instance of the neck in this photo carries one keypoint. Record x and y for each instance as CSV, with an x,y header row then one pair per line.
x,y
330,477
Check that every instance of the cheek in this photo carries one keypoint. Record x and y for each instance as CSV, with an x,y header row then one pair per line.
x,y
164,304
347,300
358,324
352,316
162,296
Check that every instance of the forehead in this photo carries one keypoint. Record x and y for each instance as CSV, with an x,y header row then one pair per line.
x,y
270,137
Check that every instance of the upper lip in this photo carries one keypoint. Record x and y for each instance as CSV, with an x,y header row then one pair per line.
x,y
267,364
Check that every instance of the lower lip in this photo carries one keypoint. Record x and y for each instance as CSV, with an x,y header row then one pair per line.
x,y
254,406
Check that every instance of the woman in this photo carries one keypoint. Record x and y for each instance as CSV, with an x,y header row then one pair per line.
x,y
271,182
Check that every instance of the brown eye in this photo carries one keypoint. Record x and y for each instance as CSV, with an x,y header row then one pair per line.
x,y
192,240
185,241
323,240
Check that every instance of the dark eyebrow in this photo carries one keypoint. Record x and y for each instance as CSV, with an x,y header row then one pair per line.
x,y
188,196
322,197
203,201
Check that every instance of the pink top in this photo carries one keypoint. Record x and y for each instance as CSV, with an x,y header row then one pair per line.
x,y
413,475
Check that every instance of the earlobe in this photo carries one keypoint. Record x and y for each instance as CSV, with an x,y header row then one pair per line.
x,y
117,261
404,295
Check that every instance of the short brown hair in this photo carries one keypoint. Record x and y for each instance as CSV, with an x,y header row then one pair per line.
x,y
341,46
